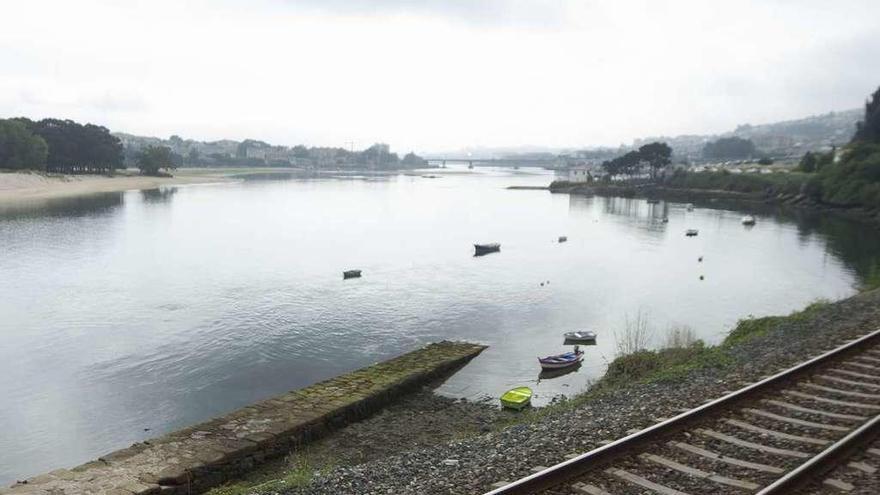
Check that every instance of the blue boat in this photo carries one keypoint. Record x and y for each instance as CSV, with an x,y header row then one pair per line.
x,y
562,360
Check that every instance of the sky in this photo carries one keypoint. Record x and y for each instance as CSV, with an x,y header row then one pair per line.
x,y
430,75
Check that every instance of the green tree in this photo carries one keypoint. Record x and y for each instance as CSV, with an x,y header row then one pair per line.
x,y
730,148
808,163
868,130
658,155
154,158
71,143
20,148
192,158
300,151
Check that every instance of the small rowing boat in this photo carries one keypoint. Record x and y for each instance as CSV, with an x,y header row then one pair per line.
x,y
748,220
481,249
562,360
517,398
691,232
351,274
563,238
583,337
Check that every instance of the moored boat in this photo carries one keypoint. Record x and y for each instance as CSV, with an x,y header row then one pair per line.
x,y
351,274
562,360
691,232
748,220
582,337
563,238
517,398
689,207
481,249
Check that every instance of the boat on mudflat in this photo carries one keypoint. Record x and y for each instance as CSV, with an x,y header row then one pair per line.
x,y
351,274
748,220
563,238
561,360
517,398
582,337
691,232
481,249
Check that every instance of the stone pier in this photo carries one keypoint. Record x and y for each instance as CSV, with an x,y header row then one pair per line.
x,y
208,454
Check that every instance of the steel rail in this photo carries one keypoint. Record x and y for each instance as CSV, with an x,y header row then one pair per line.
x,y
583,463
825,460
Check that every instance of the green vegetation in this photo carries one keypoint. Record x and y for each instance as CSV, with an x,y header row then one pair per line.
x,y
812,162
868,130
154,158
291,472
772,183
655,156
681,355
20,148
853,181
850,177
74,147
729,148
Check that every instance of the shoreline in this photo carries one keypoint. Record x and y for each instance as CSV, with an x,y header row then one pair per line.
x,y
520,443
30,187
202,456
709,196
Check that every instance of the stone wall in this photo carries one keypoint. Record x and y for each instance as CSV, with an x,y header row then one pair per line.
x,y
205,455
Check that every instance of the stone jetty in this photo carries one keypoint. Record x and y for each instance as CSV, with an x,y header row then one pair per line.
x,y
208,454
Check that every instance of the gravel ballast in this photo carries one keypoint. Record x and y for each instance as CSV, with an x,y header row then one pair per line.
x,y
474,464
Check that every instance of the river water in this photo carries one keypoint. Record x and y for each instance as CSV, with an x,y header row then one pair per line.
x,y
127,315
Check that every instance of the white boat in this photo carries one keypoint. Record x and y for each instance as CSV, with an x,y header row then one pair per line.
x,y
690,207
748,220
691,232
582,337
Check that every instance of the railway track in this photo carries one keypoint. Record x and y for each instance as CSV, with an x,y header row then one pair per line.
x,y
780,435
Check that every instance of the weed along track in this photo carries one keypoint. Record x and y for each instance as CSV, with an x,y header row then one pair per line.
x,y
781,434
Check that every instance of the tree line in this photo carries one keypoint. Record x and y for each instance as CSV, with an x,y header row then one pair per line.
x,y
58,145
653,156
66,146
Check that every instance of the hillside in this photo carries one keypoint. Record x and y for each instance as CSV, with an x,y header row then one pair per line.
x,y
786,139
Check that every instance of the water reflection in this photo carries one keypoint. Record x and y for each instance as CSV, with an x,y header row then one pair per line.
x,y
551,374
158,195
72,207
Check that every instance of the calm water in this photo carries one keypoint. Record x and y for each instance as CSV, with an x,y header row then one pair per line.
x,y
159,309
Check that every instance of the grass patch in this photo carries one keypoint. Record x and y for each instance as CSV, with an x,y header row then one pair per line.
x,y
680,355
751,327
294,471
775,183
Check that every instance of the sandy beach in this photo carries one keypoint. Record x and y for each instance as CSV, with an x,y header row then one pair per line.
x,y
27,187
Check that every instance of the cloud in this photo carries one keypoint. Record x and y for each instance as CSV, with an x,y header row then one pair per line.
x,y
541,14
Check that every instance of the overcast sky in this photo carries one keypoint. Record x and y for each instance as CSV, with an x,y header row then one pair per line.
x,y
434,75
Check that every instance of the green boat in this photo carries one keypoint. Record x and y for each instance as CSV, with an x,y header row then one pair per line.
x,y
517,398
